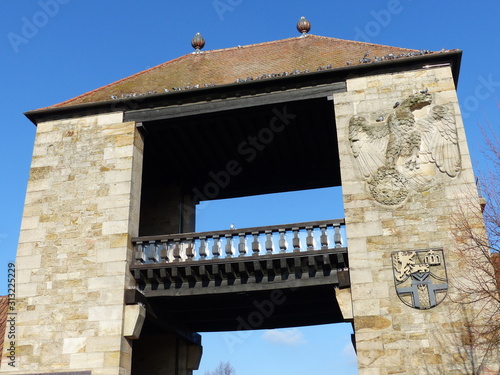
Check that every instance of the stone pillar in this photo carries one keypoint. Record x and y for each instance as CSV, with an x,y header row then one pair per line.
x,y
395,201
81,209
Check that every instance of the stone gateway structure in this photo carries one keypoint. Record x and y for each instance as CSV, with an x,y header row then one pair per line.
x,y
112,277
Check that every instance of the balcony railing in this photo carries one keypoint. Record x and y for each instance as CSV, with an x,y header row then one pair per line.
x,y
244,242
242,260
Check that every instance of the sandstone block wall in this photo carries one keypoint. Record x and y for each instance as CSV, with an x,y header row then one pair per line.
x,y
393,338
82,207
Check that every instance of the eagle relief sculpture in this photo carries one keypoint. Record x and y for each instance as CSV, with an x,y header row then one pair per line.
x,y
398,153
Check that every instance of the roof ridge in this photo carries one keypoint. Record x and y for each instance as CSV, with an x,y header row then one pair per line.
x,y
254,44
301,38
218,51
317,50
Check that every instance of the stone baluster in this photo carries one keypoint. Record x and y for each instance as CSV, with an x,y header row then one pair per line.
x,y
242,249
323,238
164,252
269,241
282,242
309,239
152,252
140,256
337,238
296,239
189,248
216,247
203,248
177,251
229,246
255,243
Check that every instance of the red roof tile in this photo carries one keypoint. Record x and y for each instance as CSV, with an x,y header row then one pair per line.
x,y
225,66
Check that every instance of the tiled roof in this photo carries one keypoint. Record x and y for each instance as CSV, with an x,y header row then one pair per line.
x,y
298,55
3,320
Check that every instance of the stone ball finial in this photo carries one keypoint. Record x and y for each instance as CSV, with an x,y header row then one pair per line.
x,y
303,26
198,42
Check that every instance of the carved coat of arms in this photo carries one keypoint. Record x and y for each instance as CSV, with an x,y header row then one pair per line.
x,y
420,277
398,153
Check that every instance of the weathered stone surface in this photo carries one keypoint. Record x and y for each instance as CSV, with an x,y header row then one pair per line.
x,y
82,209
344,299
392,338
133,320
373,322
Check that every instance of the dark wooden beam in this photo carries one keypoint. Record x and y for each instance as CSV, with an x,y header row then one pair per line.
x,y
284,307
281,98
245,274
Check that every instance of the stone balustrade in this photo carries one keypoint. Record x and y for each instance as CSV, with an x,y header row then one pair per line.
x,y
255,241
242,260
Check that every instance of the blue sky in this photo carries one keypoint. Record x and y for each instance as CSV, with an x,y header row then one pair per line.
x,y
52,53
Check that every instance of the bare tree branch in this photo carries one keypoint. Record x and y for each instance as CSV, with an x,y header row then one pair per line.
x,y
476,231
223,368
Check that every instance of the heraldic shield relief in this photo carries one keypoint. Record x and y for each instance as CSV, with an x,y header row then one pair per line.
x,y
420,277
